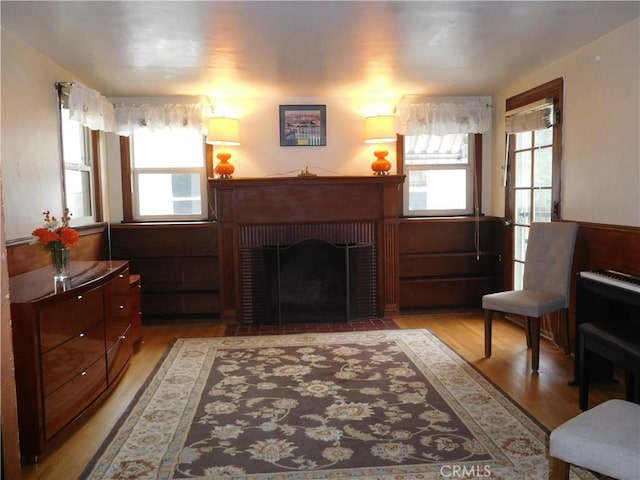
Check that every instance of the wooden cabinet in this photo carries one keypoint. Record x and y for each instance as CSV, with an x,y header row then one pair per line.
x,y
179,265
449,262
71,346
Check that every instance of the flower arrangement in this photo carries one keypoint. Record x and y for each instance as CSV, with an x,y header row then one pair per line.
x,y
56,234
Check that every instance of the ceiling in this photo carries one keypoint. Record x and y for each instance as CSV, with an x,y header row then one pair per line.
x,y
308,49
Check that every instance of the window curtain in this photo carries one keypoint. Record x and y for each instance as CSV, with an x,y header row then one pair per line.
x,y
442,118
90,109
534,116
193,116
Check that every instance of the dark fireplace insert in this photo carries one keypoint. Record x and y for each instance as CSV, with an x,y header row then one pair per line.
x,y
313,281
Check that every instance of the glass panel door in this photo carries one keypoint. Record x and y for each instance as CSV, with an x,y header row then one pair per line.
x,y
533,190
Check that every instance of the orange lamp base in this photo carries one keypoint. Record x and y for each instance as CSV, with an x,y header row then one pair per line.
x,y
381,165
224,169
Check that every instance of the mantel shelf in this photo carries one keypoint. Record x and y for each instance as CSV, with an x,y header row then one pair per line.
x,y
307,180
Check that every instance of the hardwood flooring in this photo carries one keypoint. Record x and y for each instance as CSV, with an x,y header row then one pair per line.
x,y
545,395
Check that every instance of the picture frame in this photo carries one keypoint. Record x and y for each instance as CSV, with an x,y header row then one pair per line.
x,y
303,125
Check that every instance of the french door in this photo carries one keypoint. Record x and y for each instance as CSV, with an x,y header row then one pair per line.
x,y
534,159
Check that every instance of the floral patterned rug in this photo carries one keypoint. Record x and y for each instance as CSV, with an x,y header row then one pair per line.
x,y
290,328
393,404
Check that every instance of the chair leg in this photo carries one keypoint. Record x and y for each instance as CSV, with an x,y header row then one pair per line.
x,y
564,318
632,386
535,343
559,469
488,314
527,331
583,375
635,381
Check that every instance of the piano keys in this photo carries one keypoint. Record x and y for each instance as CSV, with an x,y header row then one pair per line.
x,y
617,279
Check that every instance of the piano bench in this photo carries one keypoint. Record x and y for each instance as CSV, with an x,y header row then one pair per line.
x,y
605,439
618,345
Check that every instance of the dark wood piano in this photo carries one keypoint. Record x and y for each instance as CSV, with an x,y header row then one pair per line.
x,y
607,330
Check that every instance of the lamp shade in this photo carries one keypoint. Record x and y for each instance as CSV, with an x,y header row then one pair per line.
x,y
379,129
223,131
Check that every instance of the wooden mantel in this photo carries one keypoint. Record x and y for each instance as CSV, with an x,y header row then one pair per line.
x,y
308,201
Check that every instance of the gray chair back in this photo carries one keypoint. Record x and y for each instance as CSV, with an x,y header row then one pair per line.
x,y
549,257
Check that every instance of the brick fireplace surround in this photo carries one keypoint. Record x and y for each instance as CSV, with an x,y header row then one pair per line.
x,y
256,211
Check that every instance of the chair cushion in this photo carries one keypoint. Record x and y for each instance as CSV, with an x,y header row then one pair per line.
x,y
605,439
531,303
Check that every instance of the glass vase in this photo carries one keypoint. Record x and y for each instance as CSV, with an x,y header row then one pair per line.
x,y
60,257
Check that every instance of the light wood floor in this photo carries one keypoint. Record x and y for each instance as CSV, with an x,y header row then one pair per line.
x,y
545,395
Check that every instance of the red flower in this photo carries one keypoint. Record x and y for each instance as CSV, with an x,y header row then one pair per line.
x,y
56,233
68,236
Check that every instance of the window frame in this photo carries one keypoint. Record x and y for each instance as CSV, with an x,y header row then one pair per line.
x,y
553,89
129,210
475,169
92,165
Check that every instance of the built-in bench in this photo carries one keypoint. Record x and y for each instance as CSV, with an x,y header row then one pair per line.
x,y
619,345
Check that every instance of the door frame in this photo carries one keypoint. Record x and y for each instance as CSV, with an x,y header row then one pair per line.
x,y
553,89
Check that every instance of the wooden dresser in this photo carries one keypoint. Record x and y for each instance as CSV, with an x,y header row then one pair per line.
x,y
71,347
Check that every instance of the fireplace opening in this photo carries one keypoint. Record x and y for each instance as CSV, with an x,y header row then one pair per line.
x,y
314,281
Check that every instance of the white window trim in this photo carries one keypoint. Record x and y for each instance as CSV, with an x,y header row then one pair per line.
x,y
154,218
88,166
201,171
470,169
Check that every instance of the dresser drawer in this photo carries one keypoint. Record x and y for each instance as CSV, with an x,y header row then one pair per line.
x,y
119,354
116,294
69,318
61,364
68,401
115,329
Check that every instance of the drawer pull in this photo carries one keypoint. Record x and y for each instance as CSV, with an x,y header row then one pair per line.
x,y
121,275
122,337
83,373
81,335
121,306
79,297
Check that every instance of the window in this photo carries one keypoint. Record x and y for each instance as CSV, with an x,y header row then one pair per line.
x,y
79,185
440,171
168,175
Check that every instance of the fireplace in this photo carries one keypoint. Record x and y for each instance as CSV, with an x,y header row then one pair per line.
x,y
312,281
269,226
274,256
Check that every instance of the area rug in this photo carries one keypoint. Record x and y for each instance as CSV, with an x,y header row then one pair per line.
x,y
291,328
396,404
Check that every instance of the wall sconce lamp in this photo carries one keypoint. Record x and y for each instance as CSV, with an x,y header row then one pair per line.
x,y
380,129
223,131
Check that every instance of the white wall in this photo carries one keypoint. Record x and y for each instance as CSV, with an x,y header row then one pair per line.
x,y
601,158
31,168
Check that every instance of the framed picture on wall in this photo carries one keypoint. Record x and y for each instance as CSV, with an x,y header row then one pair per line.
x,y
303,125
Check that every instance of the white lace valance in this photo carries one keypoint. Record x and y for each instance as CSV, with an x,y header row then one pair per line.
x,y
436,118
154,117
90,109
